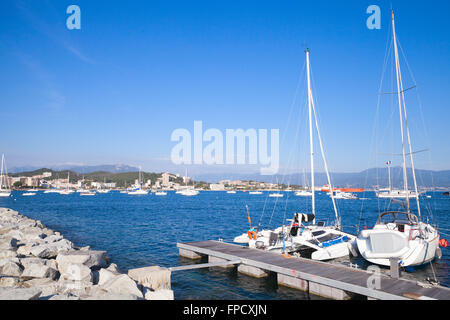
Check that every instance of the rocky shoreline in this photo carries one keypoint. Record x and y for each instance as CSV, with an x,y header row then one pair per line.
x,y
37,263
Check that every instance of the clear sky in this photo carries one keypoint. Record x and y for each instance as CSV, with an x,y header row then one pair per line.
x,y
114,91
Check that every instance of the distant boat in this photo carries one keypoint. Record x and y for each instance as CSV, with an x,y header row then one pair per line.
x,y
255,192
52,191
276,195
344,195
5,188
87,193
67,190
138,191
29,194
231,191
160,193
189,192
303,193
103,190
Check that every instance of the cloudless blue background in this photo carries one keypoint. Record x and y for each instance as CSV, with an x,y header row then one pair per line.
x,y
114,91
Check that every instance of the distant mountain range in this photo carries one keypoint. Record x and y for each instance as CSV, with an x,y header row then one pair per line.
x,y
366,179
113,168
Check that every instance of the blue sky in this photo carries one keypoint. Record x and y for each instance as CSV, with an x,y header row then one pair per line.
x,y
114,91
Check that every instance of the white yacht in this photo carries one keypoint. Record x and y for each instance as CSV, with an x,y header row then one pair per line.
x,y
160,193
344,195
255,192
276,195
303,193
189,192
400,234
5,188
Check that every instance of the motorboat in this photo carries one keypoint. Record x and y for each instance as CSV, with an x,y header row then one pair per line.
x,y
276,195
343,195
189,192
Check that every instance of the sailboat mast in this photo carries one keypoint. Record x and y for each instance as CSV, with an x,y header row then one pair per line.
x,y
389,175
311,147
1,176
400,107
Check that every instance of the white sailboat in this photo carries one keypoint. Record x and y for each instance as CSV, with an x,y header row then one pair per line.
x,y
394,193
304,192
137,190
303,236
66,191
400,234
5,188
187,192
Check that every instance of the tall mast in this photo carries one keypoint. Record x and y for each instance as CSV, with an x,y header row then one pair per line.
x,y
1,176
311,147
389,175
400,108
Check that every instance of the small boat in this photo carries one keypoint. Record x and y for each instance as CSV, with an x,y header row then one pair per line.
x,y
276,195
231,191
138,191
160,193
103,190
27,194
344,195
65,191
52,191
87,193
303,193
189,192
5,189
255,192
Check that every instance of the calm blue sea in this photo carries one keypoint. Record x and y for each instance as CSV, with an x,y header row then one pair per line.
x,y
139,231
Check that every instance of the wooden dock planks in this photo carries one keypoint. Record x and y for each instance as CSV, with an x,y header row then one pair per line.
x,y
340,277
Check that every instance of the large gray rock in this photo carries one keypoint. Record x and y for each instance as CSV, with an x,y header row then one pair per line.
x,y
122,284
9,282
11,269
7,254
76,272
104,275
8,243
47,286
40,271
51,250
19,293
89,258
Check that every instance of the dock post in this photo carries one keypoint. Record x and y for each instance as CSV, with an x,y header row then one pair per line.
x,y
395,270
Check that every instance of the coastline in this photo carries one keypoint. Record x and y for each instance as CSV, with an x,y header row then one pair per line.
x,y
37,263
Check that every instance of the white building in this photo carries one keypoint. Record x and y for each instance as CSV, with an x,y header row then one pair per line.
x,y
217,186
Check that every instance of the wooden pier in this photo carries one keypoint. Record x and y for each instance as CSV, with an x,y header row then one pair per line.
x,y
318,278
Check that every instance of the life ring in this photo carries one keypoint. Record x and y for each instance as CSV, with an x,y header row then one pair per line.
x,y
252,235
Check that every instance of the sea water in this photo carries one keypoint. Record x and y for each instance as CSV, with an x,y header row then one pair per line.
x,y
139,231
